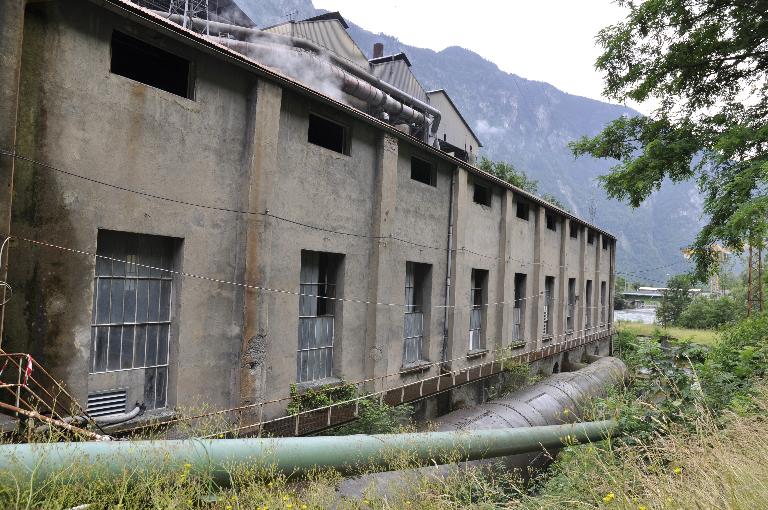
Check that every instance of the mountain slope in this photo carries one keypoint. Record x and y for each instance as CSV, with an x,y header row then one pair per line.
x,y
529,124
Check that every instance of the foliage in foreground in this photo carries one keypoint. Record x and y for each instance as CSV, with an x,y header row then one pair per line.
x,y
696,438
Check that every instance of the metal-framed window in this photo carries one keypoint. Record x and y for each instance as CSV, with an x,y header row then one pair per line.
x,y
603,303
413,320
132,313
477,311
517,310
317,312
549,292
588,305
571,310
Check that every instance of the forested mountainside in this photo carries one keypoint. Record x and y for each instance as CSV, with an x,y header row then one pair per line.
x,y
529,123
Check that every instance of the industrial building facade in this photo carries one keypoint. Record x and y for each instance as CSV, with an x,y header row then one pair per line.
x,y
216,232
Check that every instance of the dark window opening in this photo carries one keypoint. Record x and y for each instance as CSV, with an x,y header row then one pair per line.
x,y
574,231
591,237
152,66
551,222
423,171
328,134
523,210
481,194
605,243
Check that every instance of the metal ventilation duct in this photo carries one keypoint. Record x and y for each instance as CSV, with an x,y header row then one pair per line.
x,y
358,82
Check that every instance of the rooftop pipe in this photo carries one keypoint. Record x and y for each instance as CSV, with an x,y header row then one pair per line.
x,y
244,34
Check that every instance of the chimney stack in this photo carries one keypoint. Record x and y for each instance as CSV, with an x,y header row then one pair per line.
x,y
378,50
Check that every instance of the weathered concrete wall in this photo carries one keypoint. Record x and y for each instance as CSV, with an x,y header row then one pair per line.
x,y
11,35
76,115
521,257
241,144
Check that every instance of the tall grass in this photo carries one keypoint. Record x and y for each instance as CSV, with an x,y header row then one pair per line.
x,y
707,337
710,468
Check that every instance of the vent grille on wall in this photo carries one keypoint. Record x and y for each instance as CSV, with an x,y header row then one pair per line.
x,y
106,403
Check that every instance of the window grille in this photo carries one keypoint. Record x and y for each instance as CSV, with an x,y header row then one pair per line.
x,y
413,330
603,307
316,318
516,324
132,309
549,290
477,311
570,310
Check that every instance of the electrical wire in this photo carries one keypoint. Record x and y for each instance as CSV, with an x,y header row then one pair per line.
x,y
269,289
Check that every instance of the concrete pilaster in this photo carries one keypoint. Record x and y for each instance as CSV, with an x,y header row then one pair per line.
x,y
458,322
11,37
596,285
537,280
611,281
383,287
505,276
265,102
582,292
561,301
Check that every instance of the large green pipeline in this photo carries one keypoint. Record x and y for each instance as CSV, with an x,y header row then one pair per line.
x,y
36,462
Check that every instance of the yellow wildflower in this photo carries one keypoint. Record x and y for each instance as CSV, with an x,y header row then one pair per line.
x,y
678,470
609,497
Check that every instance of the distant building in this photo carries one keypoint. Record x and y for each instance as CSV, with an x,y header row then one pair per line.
x,y
454,135
195,226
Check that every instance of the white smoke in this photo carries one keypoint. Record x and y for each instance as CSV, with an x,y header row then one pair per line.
x,y
308,68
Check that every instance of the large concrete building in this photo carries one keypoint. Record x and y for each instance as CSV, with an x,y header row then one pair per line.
x,y
192,226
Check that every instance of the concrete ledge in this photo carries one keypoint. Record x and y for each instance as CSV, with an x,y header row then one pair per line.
x,y
419,366
476,353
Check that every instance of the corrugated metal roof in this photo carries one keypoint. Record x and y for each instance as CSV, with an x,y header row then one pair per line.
x,y
390,58
131,10
398,73
328,33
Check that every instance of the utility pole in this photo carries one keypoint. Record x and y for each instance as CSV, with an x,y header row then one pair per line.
x,y
755,280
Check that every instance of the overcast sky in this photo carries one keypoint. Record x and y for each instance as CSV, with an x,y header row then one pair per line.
x,y
547,40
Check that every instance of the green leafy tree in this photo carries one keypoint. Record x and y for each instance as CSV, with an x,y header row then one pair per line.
x,y
711,313
507,172
674,300
705,61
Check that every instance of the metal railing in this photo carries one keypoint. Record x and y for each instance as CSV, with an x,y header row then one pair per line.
x,y
268,417
28,391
